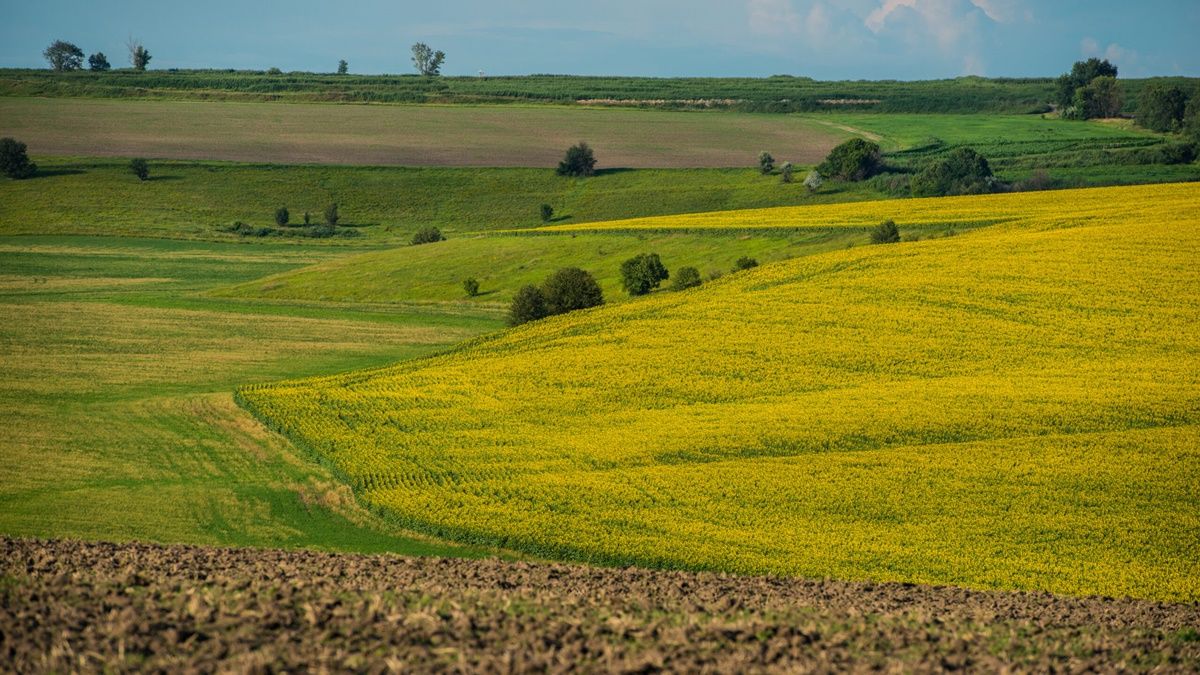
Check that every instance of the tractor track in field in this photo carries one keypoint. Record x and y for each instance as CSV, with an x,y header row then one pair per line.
x,y
73,606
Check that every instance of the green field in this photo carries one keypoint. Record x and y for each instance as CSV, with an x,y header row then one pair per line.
x,y
116,377
782,93
383,204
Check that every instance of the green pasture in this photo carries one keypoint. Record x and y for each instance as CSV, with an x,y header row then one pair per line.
x,y
115,395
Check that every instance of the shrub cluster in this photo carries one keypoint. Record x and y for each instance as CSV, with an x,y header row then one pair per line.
x,y
578,162
567,290
963,171
885,233
427,235
856,159
14,162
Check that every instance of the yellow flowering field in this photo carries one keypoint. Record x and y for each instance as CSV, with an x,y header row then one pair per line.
x,y
1015,407
1050,208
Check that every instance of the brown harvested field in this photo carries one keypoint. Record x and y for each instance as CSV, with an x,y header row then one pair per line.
x,y
67,606
407,135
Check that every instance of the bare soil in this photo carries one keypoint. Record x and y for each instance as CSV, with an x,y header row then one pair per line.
x,y
70,606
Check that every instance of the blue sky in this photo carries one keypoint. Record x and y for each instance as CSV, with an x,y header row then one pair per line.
x,y
824,39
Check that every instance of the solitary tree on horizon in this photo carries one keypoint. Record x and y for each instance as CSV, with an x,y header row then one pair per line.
x,y
63,56
426,60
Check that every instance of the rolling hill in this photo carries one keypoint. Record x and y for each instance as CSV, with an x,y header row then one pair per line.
x,y
1016,407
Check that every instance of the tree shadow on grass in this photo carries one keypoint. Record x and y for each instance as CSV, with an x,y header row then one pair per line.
x,y
613,171
155,179
52,173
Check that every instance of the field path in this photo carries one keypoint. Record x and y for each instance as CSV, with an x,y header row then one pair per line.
x,y
427,135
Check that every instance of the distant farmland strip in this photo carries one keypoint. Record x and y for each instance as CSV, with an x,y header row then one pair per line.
x,y
502,136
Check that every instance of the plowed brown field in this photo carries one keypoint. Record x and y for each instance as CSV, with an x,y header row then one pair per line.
x,y
68,606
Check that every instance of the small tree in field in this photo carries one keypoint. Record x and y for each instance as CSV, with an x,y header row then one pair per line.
x,y
307,218
343,67
547,212
331,215
98,62
578,162
744,263
885,233
13,160
686,277
140,168
785,172
282,216
427,61
813,181
63,56
766,163
643,273
471,286
139,57
427,235
529,304
569,289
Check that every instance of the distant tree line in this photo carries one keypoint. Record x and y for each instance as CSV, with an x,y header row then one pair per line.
x,y
64,56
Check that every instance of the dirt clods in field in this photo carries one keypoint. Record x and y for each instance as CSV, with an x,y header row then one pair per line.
x,y
70,606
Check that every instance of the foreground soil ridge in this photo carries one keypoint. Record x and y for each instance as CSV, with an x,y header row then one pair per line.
x,y
77,606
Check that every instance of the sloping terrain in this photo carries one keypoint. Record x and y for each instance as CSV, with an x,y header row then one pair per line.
x,y
1017,407
67,606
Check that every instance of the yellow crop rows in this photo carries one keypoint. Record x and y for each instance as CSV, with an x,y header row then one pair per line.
x,y
1017,407
1053,208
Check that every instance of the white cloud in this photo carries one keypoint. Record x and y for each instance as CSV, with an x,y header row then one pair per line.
x,y
1121,56
773,17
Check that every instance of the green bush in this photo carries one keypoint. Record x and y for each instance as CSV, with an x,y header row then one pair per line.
x,y
471,286
766,163
569,289
1103,97
963,171
686,277
578,162
282,216
744,263
140,168
529,304
643,273
427,235
1161,108
331,215
885,233
14,162
547,212
856,159
786,172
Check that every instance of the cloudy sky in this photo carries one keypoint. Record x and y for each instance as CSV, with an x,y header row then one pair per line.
x,y
824,39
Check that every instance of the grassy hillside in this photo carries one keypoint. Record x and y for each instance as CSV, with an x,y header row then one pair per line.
x,y
115,395
1013,408
529,136
195,200
503,264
